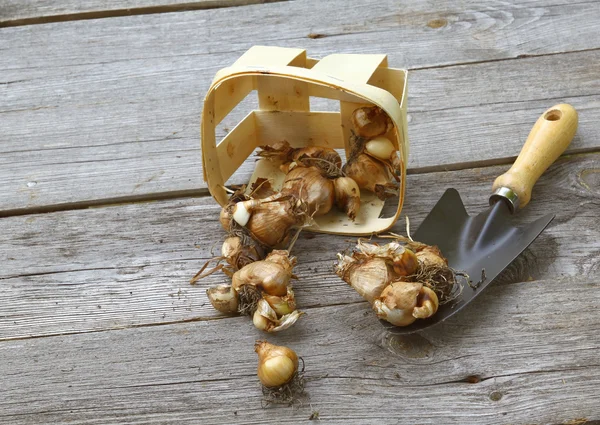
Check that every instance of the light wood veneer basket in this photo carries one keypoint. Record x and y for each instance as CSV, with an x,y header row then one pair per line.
x,y
285,79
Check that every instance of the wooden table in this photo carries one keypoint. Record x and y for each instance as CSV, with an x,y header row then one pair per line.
x,y
105,216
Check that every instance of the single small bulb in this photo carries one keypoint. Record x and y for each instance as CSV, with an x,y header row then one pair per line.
x,y
347,196
277,365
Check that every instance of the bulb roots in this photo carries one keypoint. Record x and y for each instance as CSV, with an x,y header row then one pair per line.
x,y
288,394
249,296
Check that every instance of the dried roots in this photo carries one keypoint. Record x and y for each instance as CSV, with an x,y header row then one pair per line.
x,y
288,394
249,296
441,279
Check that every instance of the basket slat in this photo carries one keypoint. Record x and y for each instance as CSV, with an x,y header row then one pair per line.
x,y
391,80
229,94
347,67
356,68
237,146
282,94
267,56
300,128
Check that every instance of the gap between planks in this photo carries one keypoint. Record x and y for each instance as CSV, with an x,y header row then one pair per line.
x,y
521,56
165,323
120,328
107,202
147,10
201,192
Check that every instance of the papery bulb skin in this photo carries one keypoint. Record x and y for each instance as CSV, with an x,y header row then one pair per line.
x,y
431,256
371,174
397,302
225,218
308,184
231,247
269,277
272,275
371,121
237,254
266,318
271,220
367,276
326,159
282,305
402,259
406,264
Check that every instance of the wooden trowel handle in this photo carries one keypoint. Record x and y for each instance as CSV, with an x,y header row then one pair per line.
x,y
548,139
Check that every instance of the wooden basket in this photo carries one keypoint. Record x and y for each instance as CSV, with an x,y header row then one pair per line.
x,y
285,79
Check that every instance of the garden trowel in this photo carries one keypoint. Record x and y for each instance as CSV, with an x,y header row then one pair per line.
x,y
482,246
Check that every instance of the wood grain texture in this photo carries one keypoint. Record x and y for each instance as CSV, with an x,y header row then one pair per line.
x,y
16,12
110,108
98,323
524,353
129,265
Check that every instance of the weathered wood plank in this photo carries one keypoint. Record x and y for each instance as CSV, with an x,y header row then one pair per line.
x,y
523,353
86,118
422,33
16,12
129,265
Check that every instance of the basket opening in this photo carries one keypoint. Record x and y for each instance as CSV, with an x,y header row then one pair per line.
x,y
324,104
243,174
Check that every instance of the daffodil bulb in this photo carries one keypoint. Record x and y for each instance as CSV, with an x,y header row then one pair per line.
x,y
431,256
270,220
347,196
372,174
239,252
277,365
309,184
319,156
